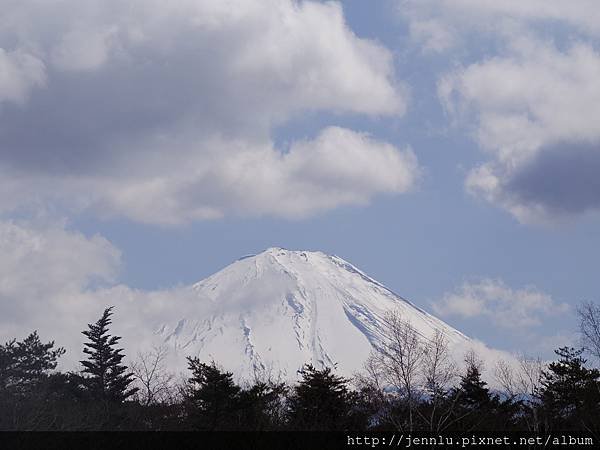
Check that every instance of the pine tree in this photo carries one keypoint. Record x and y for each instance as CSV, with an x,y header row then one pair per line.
x,y
322,401
261,406
212,398
25,375
25,363
107,379
570,392
474,391
474,407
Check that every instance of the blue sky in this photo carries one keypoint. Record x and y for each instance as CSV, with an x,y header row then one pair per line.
x,y
448,149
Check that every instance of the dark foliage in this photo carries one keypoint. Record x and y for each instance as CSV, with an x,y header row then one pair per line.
x,y
475,408
25,364
212,398
35,396
323,401
213,401
570,393
107,378
26,382
261,407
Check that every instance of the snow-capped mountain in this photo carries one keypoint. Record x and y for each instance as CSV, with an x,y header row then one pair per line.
x,y
273,312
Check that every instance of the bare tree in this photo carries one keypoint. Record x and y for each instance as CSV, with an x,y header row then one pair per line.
x,y
398,359
530,375
152,376
522,382
372,386
372,379
472,360
530,383
439,370
504,374
589,327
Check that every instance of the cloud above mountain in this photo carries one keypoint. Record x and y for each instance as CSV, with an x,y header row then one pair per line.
x,y
535,114
164,113
528,97
45,267
56,280
500,304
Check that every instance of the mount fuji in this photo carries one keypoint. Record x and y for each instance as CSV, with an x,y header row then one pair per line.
x,y
273,312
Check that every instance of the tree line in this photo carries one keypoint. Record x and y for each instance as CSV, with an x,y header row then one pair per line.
x,y
409,384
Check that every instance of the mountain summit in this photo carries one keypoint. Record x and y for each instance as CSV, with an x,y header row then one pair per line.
x,y
275,311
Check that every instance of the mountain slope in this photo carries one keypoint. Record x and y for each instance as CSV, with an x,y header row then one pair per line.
x,y
271,313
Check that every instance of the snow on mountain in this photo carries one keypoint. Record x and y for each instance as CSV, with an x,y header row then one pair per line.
x,y
273,312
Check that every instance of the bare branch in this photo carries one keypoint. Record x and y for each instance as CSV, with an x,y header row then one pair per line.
x,y
439,368
589,327
505,376
398,359
152,377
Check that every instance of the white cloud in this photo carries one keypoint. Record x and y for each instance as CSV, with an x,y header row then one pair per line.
x,y
20,73
338,167
42,264
533,97
235,177
432,34
56,280
52,258
164,111
527,91
83,50
448,23
502,305
535,113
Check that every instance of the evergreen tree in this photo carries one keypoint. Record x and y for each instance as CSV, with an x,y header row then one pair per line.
x,y
474,393
25,363
570,392
212,398
475,408
107,379
261,406
322,401
25,371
